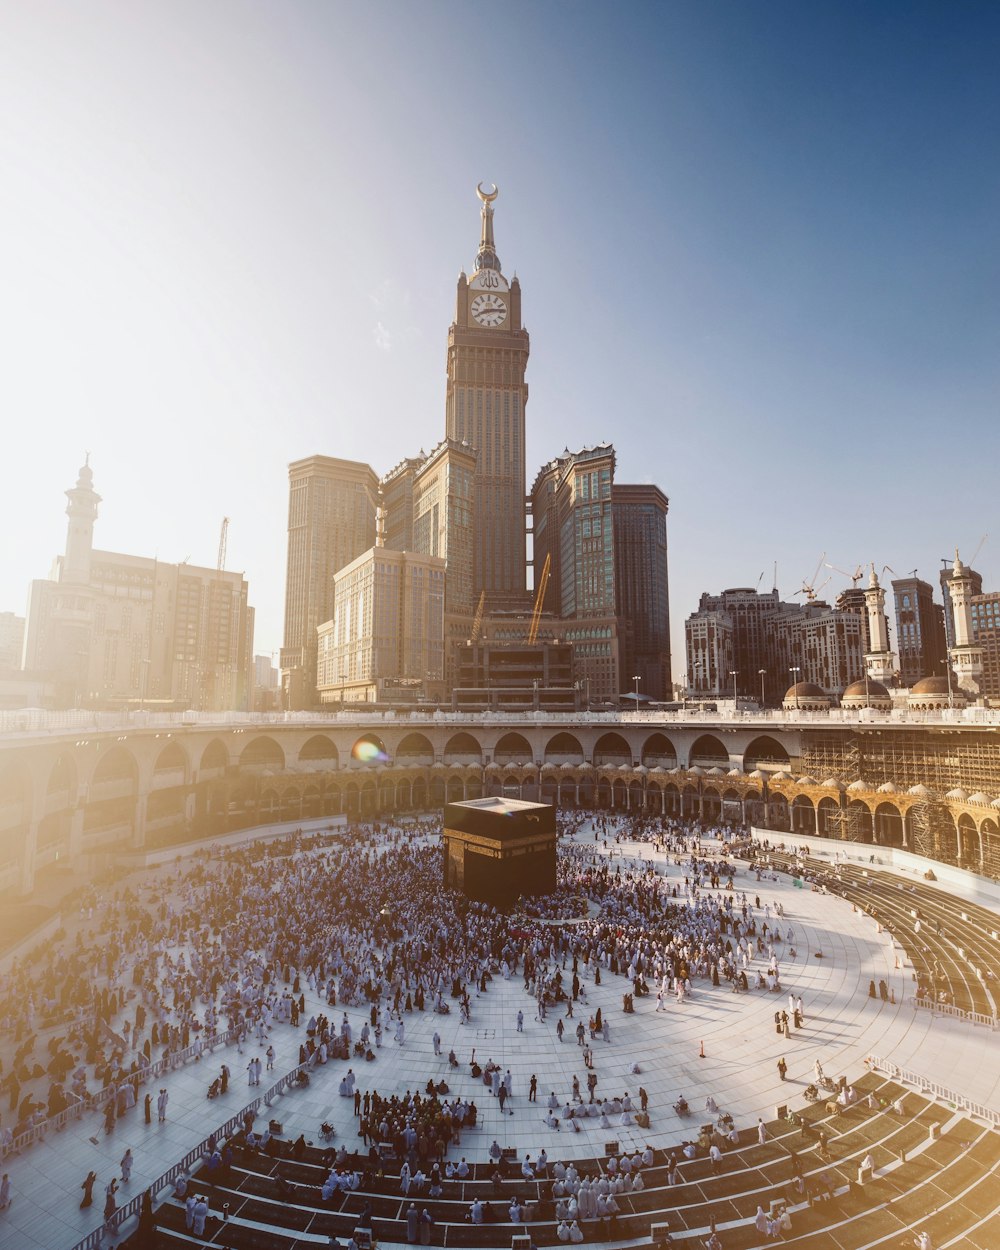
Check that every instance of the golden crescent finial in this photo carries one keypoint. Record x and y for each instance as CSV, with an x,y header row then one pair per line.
x,y
487,197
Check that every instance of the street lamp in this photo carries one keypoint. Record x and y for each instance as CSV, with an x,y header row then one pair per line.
x,y
636,679
761,672
795,682
734,673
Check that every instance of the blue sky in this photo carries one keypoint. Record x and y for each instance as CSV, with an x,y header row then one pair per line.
x,y
758,245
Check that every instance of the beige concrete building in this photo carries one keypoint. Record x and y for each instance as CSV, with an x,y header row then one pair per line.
x,y
108,629
386,633
11,641
485,407
332,507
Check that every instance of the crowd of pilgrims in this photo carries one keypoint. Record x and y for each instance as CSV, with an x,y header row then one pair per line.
x,y
229,941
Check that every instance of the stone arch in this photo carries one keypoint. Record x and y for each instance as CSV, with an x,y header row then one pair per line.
x,y
990,833
312,803
319,749
15,812
171,757
511,787
456,789
764,750
215,755
778,816
404,794
732,806
671,799
513,748
117,765
386,795
415,749
563,748
803,814
263,753
826,810
861,819
968,842
269,805
711,805
60,799
368,798
291,803
462,748
690,802
619,792
602,794
708,752
62,780
369,749
888,825
611,748
437,792
659,751
419,794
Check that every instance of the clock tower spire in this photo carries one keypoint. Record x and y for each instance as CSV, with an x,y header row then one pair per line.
x,y
484,407
486,257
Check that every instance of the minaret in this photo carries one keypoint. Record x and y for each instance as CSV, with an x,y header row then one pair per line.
x,y
965,655
82,513
880,661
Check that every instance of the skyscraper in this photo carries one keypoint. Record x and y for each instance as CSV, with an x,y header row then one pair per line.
x,y
332,507
919,630
639,515
574,527
485,404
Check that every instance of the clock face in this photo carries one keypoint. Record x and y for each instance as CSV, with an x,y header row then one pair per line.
x,y
489,310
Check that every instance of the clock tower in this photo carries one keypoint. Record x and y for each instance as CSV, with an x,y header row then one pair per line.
x,y
486,399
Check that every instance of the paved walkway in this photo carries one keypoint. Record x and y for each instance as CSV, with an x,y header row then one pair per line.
x,y
842,1026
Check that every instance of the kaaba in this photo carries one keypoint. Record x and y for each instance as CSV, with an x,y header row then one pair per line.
x,y
497,849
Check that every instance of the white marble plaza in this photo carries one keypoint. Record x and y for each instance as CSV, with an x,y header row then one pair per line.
x,y
842,1026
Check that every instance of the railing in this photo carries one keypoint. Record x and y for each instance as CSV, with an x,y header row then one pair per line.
x,y
195,1155
956,1013
93,1101
38,721
925,1086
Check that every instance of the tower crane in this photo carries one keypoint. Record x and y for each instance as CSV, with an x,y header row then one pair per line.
x,y
855,577
223,539
809,588
536,612
216,669
947,560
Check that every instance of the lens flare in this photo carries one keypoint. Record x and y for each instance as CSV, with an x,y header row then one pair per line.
x,y
367,752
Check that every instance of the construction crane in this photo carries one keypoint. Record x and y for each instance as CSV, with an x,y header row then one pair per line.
x,y
855,577
809,588
477,622
536,613
216,670
949,560
223,538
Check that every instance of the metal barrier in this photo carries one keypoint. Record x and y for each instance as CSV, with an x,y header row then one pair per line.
x,y
196,1154
932,1088
93,1101
956,1013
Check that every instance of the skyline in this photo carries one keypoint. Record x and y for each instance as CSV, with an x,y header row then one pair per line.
x,y
775,238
